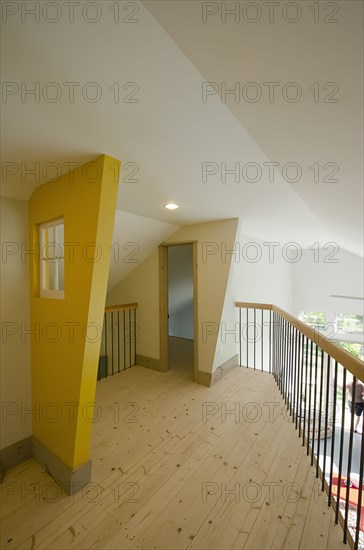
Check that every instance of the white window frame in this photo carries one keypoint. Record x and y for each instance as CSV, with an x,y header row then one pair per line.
x,y
347,332
45,292
314,326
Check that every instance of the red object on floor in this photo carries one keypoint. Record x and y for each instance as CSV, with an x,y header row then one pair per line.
x,y
353,496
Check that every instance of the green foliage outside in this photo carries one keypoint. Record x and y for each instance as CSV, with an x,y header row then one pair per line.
x,y
349,323
354,349
314,318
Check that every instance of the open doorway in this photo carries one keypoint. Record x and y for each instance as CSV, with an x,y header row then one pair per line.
x,y
178,306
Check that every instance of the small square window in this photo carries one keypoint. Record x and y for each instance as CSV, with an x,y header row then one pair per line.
x,y
51,236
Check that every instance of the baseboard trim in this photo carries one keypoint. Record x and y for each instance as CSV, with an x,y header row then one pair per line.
x,y
180,338
208,379
148,362
15,454
71,480
225,368
203,378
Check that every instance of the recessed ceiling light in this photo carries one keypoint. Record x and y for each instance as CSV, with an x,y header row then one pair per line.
x,y
171,206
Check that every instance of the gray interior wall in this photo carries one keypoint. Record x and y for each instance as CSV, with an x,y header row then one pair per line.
x,y
180,290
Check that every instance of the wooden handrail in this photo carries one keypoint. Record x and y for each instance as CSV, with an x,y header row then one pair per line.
x,y
254,305
346,359
121,307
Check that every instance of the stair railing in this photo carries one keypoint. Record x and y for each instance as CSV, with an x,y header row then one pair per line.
x,y
119,339
317,380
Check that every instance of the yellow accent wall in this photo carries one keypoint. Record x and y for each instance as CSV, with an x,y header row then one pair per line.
x,y
66,340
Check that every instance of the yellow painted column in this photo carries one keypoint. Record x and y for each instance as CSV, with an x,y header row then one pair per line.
x,y
66,337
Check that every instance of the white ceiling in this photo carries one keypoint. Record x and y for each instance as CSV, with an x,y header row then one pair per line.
x,y
170,132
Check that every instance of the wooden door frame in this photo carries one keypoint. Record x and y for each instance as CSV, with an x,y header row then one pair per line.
x,y
163,304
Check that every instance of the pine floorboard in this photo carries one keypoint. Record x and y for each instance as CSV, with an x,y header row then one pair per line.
x,y
166,477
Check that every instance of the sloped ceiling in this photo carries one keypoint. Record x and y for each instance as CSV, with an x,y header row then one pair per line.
x,y
321,47
169,133
134,239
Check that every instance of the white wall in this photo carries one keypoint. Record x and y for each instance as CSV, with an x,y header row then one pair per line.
x,y
256,275
320,274
259,273
14,308
142,286
180,290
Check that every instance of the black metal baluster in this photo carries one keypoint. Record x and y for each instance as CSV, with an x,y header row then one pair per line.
x,y
342,432
285,357
262,338
278,364
350,456
130,331
326,419
118,340
276,328
309,401
358,511
289,387
333,434
291,390
274,347
305,348
288,363
254,341
107,357
112,342
124,339
278,343
112,325
278,346
240,336
281,361
280,357
320,412
275,339
294,366
298,377
285,360
270,341
301,361
135,334
291,368
314,406
247,337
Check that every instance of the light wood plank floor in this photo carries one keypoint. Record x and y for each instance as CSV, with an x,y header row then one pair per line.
x,y
180,352
172,469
